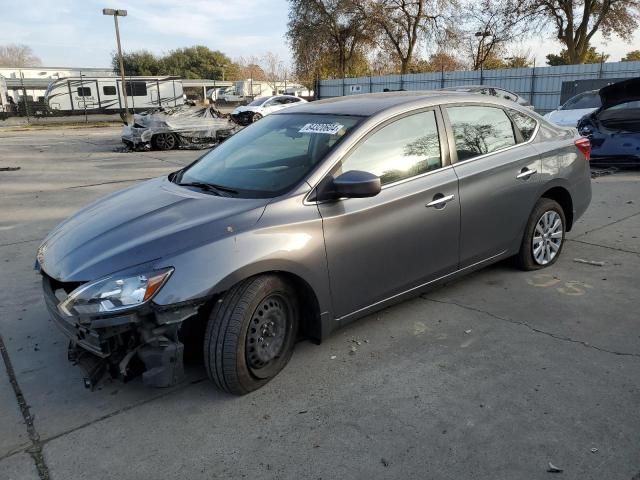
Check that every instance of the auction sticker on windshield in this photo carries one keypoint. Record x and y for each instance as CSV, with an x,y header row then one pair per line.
x,y
326,128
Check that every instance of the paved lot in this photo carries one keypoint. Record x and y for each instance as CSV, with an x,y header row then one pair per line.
x,y
491,377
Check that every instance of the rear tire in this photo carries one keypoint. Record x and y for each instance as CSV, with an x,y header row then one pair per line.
x,y
251,333
543,237
164,141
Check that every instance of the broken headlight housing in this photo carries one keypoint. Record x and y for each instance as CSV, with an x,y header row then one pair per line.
x,y
114,294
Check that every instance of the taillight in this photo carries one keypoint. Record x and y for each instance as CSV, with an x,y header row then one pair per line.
x,y
584,145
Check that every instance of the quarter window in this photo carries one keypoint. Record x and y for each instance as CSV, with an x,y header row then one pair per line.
x,y
84,91
109,90
479,130
524,123
403,149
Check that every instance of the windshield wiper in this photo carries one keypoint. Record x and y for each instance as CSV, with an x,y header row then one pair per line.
x,y
210,187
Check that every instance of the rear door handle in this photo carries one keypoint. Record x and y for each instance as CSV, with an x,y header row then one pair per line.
x,y
525,173
440,201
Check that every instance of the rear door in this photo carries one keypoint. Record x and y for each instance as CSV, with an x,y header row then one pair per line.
x,y
405,236
499,174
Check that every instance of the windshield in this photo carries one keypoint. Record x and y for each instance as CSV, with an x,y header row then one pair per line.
x,y
626,106
258,101
269,157
583,100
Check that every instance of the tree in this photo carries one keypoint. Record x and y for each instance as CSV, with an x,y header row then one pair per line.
x,y
405,23
318,29
250,68
518,61
437,62
273,69
591,56
195,62
632,56
575,22
141,62
16,55
491,25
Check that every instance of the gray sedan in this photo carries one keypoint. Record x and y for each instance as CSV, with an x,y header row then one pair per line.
x,y
303,222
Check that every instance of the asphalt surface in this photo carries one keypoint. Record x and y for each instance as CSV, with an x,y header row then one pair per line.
x,y
490,377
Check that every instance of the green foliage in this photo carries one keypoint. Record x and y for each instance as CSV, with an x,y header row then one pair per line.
x,y
190,62
591,56
632,56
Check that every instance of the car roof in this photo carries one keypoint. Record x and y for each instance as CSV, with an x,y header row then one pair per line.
x,y
369,104
471,88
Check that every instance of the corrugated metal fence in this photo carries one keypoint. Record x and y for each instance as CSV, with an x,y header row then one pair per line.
x,y
541,85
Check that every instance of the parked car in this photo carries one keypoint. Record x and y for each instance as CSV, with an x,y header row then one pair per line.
x,y
492,91
568,114
263,106
303,222
614,128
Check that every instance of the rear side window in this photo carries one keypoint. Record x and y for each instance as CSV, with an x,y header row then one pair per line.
x,y
84,91
403,149
479,130
524,123
109,90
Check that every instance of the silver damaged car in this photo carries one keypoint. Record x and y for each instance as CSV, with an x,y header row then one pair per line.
x,y
302,222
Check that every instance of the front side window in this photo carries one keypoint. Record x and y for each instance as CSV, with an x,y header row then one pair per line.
x,y
479,130
524,123
84,91
405,148
269,157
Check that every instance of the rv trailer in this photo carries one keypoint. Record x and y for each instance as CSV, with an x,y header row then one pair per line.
x,y
74,95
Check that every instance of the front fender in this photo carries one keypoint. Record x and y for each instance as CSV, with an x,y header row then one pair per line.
x,y
296,247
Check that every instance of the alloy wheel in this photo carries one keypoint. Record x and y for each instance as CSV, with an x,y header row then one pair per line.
x,y
547,237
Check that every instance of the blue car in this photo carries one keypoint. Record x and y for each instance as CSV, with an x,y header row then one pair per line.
x,y
614,128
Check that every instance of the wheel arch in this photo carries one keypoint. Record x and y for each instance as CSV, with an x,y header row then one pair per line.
x,y
310,300
562,195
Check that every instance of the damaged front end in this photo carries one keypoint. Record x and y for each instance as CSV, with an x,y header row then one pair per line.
x,y
125,343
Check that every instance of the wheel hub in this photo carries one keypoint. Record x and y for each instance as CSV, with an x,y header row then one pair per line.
x,y
267,333
547,237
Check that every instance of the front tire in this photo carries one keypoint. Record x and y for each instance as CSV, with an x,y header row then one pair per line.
x,y
543,237
251,333
256,116
164,141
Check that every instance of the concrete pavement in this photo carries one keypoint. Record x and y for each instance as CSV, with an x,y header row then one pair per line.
x,y
492,376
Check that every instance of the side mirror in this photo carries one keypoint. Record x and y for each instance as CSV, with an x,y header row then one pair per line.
x,y
352,184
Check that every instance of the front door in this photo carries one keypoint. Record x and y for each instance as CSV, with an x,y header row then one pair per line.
x,y
405,236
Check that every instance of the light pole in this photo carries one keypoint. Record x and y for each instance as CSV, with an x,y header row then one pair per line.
x,y
116,14
481,58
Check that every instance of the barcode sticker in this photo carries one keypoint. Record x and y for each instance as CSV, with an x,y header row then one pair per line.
x,y
325,128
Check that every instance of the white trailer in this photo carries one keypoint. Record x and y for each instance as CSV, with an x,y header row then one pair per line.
x,y
105,94
4,94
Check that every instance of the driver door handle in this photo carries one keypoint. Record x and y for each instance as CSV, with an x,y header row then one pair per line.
x,y
525,173
440,201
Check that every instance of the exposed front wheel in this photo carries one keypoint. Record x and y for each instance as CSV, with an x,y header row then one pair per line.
x,y
256,117
251,333
543,237
164,141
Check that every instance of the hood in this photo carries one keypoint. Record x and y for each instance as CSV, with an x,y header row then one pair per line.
x,y
568,118
138,225
246,108
620,92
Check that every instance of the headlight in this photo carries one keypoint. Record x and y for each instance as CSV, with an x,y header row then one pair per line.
x,y
113,294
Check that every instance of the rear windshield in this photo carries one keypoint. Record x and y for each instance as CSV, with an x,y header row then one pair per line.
x,y
269,157
583,100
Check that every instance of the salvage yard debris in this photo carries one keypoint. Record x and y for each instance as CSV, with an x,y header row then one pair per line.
x,y
553,469
180,127
589,262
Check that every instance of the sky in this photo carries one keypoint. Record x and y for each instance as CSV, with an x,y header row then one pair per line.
x,y
74,33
